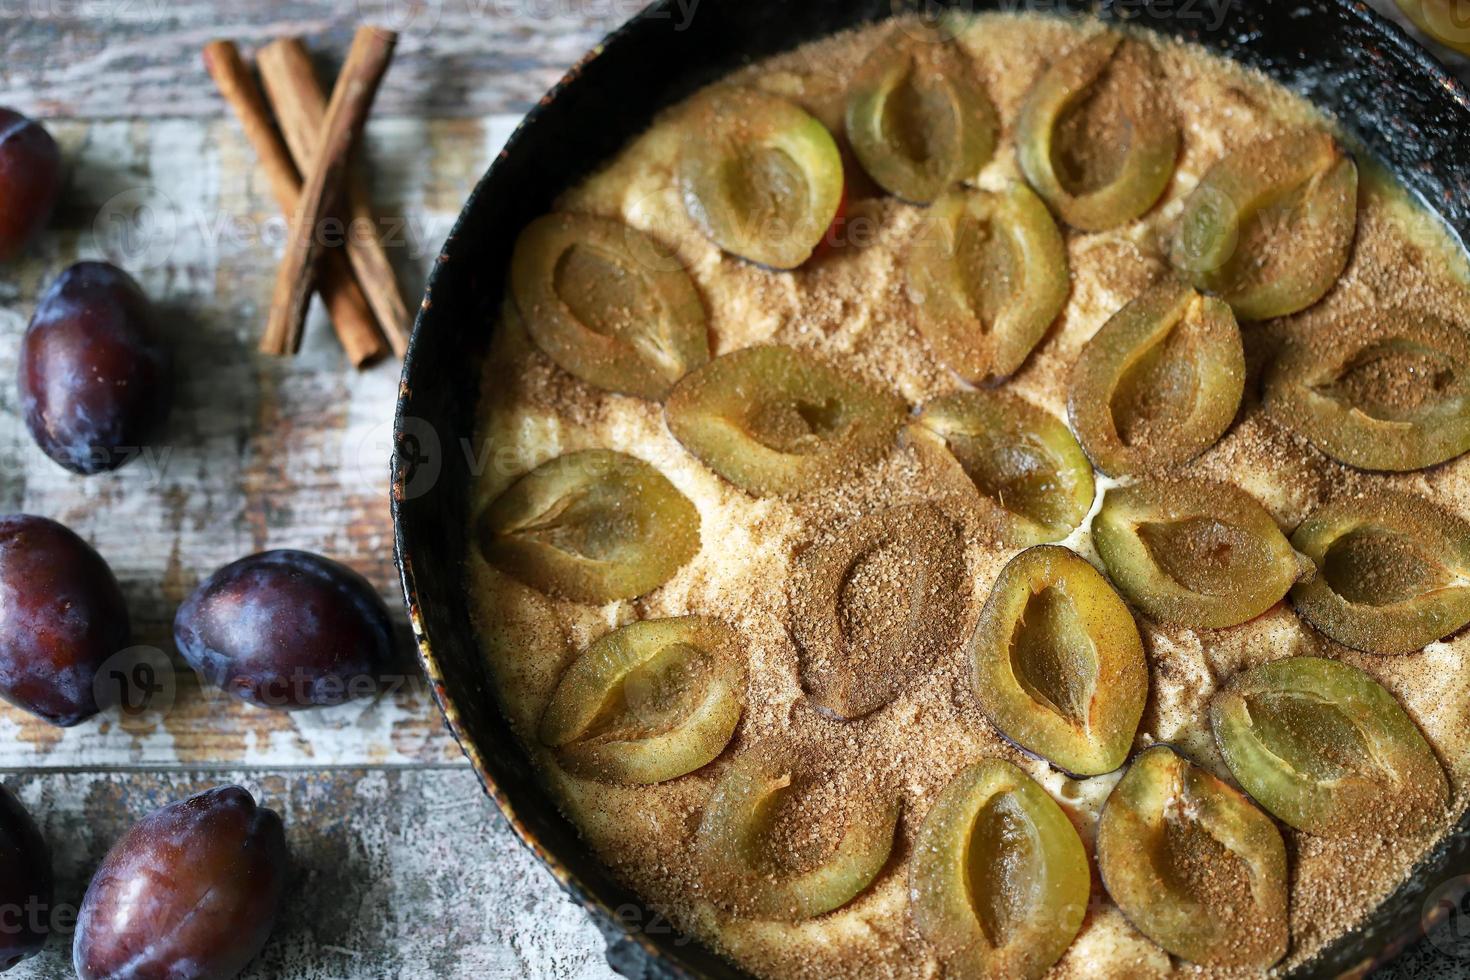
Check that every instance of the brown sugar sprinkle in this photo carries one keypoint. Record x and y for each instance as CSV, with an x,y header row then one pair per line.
x,y
877,603
1092,133
810,819
852,307
1327,890
1205,869
1388,385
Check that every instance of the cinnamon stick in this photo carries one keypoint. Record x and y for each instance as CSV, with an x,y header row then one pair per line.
x,y
351,317
324,180
296,96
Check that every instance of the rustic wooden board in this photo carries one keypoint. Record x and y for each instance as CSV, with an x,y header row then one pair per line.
x,y
259,453
382,884
105,59
403,868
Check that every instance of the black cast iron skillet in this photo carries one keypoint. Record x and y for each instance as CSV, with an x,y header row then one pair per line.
x,y
1398,100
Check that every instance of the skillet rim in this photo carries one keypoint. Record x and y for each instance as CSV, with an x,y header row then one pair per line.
x,y
638,948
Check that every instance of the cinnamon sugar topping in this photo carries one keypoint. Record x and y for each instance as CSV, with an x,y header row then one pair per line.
x,y
856,600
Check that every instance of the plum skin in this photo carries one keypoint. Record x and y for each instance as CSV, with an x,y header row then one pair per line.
x,y
30,181
190,892
26,884
286,629
62,615
95,382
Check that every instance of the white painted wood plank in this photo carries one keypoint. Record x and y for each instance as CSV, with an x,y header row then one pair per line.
x,y
108,59
394,874
260,452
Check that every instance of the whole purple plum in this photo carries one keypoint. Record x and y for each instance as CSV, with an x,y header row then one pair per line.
x,y
61,615
95,381
191,892
30,181
286,629
25,883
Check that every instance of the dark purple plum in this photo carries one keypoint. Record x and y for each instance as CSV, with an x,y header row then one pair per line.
x,y
61,615
191,892
25,883
30,180
95,381
286,629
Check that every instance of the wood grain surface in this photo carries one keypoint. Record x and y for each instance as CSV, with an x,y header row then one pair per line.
x,y
402,866
108,59
395,873
260,452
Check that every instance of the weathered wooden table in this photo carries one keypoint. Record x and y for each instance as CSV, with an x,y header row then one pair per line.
x,y
402,866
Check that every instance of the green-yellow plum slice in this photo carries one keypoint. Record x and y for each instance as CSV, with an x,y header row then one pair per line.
x,y
777,421
759,176
1270,226
1022,462
1096,136
1194,865
1444,20
604,302
1196,553
1159,383
875,604
1059,666
999,881
758,881
919,120
987,272
1326,749
591,526
648,702
1389,392
1393,572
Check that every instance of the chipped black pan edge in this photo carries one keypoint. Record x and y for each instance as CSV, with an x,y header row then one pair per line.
x,y
1401,102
